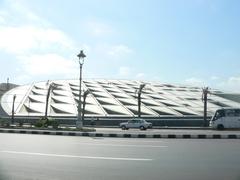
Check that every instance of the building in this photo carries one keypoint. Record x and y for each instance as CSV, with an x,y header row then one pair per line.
x,y
111,99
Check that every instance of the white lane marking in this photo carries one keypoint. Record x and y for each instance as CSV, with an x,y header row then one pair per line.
x,y
124,140
123,145
74,156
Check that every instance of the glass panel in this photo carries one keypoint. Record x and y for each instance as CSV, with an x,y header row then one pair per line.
x,y
237,112
230,112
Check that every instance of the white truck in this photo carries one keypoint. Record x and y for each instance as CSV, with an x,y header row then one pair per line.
x,y
226,118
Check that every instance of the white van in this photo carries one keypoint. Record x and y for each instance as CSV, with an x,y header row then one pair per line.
x,y
226,118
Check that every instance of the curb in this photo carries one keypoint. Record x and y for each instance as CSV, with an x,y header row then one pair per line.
x,y
94,134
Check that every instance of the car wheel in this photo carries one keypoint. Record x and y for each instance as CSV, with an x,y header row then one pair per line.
x,y
142,128
124,128
220,127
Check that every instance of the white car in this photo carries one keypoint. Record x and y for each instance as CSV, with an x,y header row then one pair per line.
x,y
136,123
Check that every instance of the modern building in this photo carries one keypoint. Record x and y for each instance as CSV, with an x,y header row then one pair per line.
x,y
112,99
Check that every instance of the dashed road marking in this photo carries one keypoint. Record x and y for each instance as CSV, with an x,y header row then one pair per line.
x,y
124,145
75,156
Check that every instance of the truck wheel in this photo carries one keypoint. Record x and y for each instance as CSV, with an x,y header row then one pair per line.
x,y
220,127
124,128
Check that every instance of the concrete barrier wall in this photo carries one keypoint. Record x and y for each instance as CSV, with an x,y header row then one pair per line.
x,y
170,121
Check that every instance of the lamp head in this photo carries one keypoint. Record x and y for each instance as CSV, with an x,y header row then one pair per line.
x,y
81,57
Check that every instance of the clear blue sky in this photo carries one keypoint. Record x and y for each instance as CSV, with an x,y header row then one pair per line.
x,y
195,42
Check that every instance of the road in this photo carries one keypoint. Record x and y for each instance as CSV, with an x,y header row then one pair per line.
x,y
42,157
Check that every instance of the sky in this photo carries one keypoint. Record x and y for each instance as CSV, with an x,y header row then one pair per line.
x,y
186,42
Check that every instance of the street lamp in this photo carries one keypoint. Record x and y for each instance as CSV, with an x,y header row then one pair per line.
x,y
79,123
14,98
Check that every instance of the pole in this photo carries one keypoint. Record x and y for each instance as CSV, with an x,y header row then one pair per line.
x,y
205,109
52,86
84,103
83,111
47,99
7,84
139,98
139,104
79,123
14,98
205,93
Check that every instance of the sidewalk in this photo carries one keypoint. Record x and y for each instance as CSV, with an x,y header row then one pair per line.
x,y
151,133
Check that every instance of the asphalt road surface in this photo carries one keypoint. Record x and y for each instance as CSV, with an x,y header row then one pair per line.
x,y
42,157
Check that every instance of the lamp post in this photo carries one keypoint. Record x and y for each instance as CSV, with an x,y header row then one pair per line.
x,y
14,98
79,123
139,98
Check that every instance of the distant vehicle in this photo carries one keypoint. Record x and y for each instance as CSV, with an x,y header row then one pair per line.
x,y
226,118
136,123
